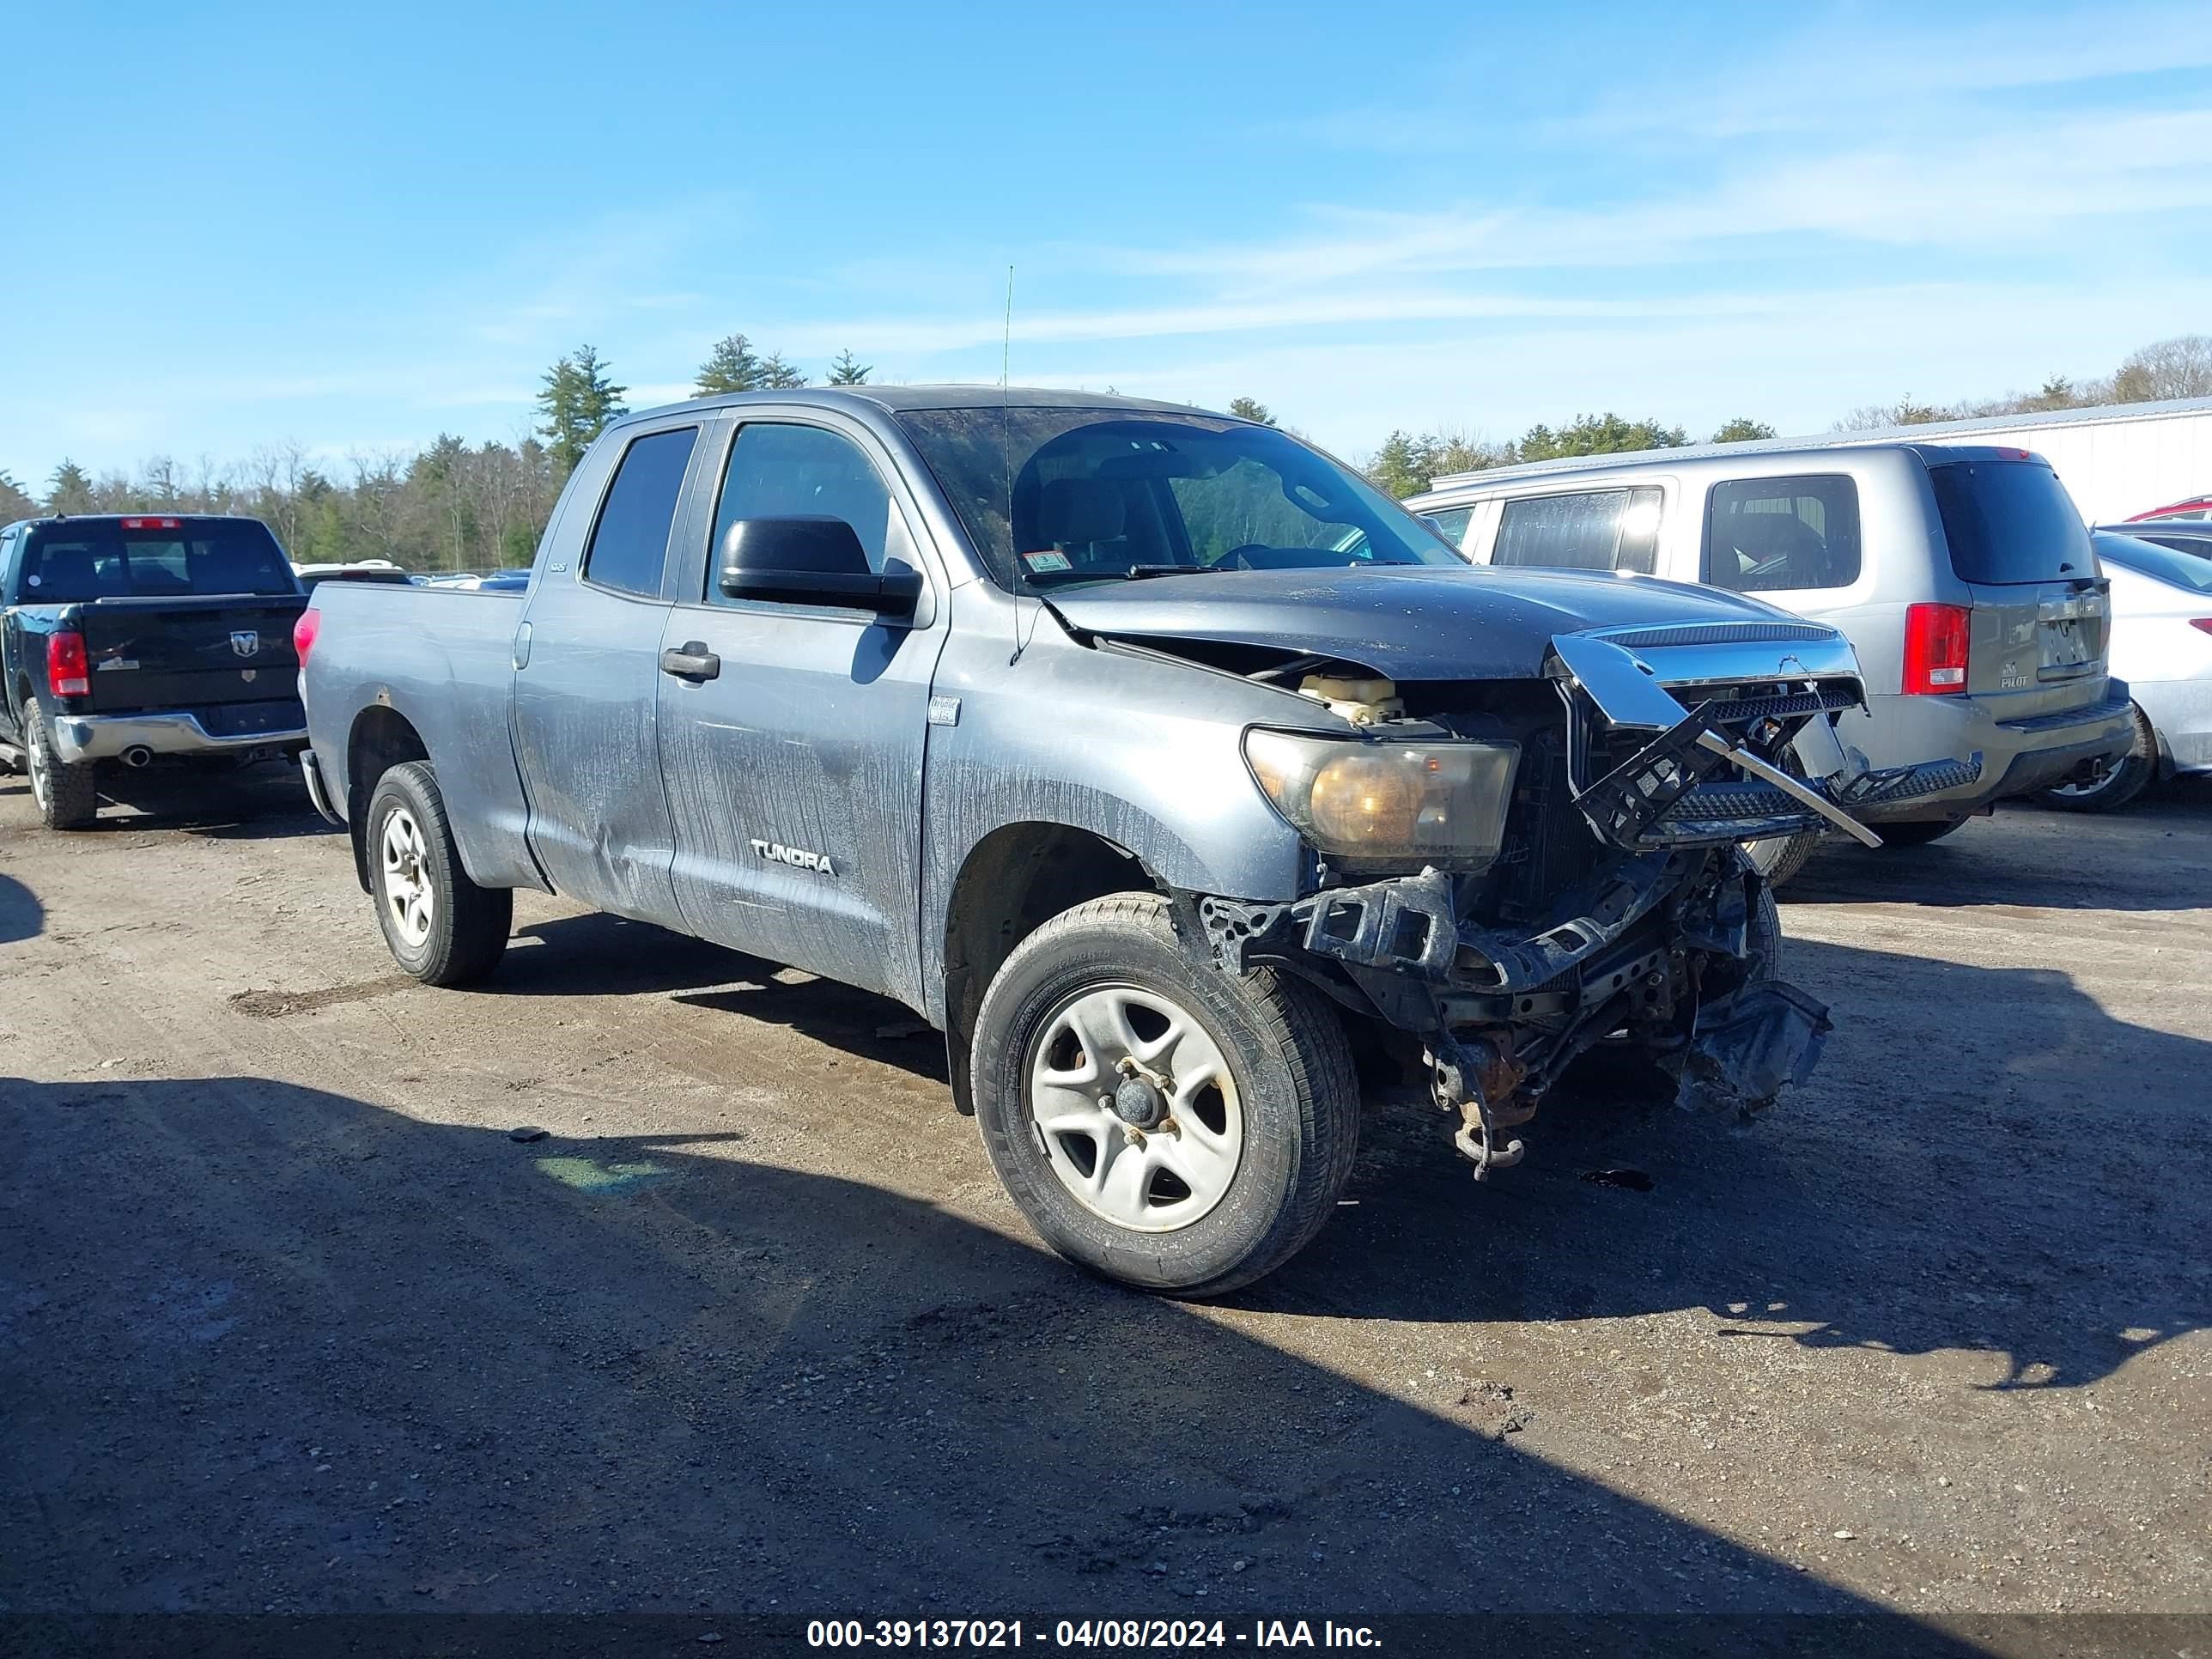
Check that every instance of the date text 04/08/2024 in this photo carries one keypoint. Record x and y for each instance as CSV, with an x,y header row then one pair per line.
x,y
1085,1633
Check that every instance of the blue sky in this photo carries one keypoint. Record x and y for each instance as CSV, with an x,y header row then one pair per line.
x,y
358,227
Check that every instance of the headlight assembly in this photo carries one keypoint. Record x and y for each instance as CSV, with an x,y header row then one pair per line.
x,y
1372,803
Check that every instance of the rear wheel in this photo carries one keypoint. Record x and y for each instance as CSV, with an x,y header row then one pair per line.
x,y
440,925
2123,780
1158,1120
1915,834
63,789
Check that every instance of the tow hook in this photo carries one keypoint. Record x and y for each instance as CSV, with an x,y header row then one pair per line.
x,y
1478,1080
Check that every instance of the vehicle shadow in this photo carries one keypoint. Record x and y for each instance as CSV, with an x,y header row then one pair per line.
x,y
267,1346
2030,857
1985,1163
599,955
22,915
259,803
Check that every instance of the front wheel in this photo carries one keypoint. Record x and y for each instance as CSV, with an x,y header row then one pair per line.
x,y
1158,1120
439,925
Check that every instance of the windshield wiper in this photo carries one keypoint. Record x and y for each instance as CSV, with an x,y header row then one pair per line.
x,y
1137,573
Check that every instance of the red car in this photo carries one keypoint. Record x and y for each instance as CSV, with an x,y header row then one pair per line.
x,y
2197,506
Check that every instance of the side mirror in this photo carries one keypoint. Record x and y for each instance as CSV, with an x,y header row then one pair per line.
x,y
812,561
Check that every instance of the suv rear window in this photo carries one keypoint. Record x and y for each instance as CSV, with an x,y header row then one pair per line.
x,y
1591,530
1775,535
79,559
2009,521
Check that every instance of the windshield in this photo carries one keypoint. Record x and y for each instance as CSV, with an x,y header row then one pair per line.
x,y
1051,497
2162,564
2010,521
72,561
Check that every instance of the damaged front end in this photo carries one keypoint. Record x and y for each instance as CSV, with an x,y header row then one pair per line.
x,y
1617,906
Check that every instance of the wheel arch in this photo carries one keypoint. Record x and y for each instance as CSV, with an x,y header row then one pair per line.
x,y
1014,881
381,738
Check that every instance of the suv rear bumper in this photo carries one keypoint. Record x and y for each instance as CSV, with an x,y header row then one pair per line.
x,y
2018,757
104,737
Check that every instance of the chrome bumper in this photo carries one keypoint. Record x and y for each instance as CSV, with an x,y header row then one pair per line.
x,y
103,737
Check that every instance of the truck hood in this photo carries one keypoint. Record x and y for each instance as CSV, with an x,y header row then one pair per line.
x,y
1405,622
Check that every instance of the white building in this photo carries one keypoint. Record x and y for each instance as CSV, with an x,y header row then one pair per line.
x,y
2115,461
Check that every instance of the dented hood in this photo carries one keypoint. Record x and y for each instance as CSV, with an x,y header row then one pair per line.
x,y
1405,622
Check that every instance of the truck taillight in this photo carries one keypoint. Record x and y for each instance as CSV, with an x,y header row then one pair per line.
x,y
1935,639
303,634
67,673
150,524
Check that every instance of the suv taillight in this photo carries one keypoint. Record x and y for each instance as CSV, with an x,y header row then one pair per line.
x,y
303,634
1936,638
67,673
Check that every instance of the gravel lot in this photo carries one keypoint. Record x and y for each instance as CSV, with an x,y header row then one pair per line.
x,y
289,1319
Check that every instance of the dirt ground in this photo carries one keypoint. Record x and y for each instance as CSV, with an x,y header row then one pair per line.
x,y
291,1320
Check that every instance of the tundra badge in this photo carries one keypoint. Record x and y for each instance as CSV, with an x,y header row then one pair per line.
x,y
777,852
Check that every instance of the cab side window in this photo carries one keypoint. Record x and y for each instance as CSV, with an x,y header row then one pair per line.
x,y
1775,535
628,548
1589,530
779,470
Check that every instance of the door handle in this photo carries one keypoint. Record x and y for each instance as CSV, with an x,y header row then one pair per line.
x,y
691,661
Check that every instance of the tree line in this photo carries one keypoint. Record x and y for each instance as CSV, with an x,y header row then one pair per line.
x,y
455,505
1406,462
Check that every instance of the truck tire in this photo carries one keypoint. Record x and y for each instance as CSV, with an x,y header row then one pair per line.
x,y
1232,1167
1778,858
2123,781
440,925
63,789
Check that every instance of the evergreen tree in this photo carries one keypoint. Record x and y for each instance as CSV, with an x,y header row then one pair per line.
x,y
777,376
69,490
15,501
850,370
1251,409
580,397
731,366
1742,431
1598,435
1401,466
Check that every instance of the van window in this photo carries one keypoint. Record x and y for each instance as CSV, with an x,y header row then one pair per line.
x,y
1451,523
1594,530
1772,535
2010,521
629,544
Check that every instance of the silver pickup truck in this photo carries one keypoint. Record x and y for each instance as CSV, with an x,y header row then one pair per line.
x,y
1176,774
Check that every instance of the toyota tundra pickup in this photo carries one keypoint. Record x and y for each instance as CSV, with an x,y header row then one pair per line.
x,y
1158,760
133,639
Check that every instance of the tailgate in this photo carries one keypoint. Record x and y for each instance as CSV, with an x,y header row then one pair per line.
x,y
2039,648
189,652
2041,609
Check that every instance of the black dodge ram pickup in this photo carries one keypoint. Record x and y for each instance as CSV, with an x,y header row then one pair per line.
x,y
132,638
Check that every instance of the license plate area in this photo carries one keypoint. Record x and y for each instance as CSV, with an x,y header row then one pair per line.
x,y
2066,649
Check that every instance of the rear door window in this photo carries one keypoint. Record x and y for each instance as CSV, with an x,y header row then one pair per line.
x,y
1591,530
628,548
1776,535
2010,521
